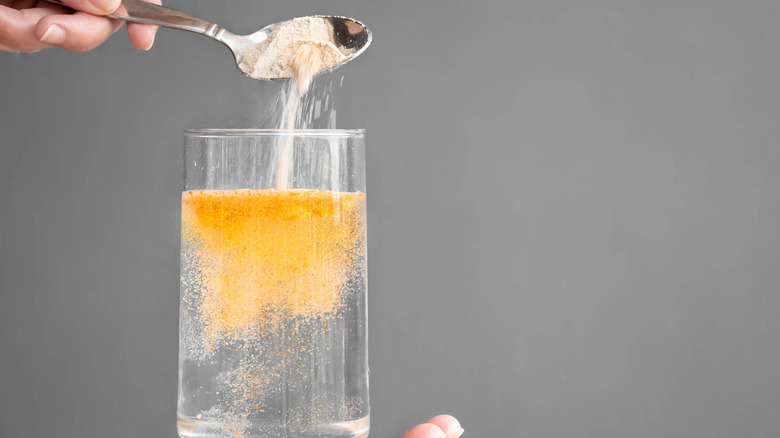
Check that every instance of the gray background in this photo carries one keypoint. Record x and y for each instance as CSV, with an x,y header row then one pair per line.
x,y
574,216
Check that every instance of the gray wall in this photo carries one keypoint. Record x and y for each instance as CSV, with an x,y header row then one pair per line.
x,y
574,216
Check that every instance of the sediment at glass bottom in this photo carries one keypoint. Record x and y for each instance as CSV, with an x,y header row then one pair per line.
x,y
189,427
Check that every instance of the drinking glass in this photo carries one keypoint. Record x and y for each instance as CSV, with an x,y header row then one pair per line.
x,y
273,330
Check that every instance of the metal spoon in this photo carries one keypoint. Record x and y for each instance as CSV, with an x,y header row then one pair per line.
x,y
350,36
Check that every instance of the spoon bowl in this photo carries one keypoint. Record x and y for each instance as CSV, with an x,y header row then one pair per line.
x,y
349,36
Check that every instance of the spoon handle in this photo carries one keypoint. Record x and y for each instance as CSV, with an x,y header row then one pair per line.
x,y
142,12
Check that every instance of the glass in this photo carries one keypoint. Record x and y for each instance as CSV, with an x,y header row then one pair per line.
x,y
273,330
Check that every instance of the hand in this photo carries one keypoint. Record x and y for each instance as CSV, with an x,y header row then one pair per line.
x,y
32,25
440,426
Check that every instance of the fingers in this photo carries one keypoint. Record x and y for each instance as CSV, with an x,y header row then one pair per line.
x,y
79,31
17,27
142,35
30,26
96,7
426,430
448,424
440,426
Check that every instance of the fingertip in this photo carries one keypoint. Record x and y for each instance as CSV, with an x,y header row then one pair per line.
x,y
49,32
141,35
426,430
448,424
54,35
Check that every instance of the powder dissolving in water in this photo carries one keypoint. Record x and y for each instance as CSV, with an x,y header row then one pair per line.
x,y
274,279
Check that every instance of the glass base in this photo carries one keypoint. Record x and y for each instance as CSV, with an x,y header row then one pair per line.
x,y
196,428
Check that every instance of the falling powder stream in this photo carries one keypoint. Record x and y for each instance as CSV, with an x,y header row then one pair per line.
x,y
305,63
299,48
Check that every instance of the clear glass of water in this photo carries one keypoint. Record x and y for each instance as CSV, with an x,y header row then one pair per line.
x,y
273,330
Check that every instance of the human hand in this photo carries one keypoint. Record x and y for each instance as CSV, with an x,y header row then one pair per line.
x,y
32,25
440,426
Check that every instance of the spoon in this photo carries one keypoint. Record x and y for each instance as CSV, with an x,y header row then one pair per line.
x,y
350,36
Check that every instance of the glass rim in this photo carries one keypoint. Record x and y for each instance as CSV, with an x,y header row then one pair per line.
x,y
198,132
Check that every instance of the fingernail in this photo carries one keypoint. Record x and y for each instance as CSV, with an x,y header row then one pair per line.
x,y
107,6
154,35
54,35
458,433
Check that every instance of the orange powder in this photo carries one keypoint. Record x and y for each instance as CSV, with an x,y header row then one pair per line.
x,y
263,254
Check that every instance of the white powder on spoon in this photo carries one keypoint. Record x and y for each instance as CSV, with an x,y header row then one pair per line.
x,y
298,48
